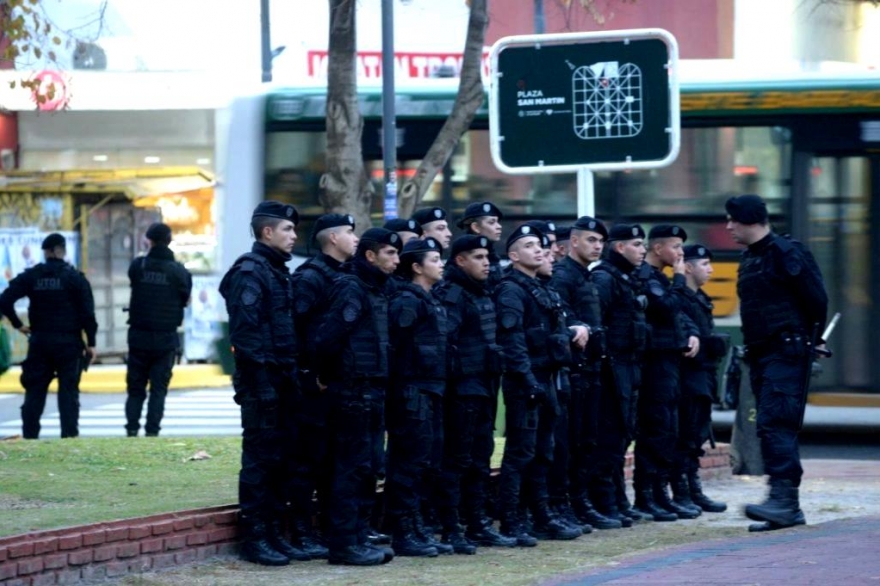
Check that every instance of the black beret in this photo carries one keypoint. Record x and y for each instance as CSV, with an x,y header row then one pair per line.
x,y
522,232
591,224
479,209
696,252
54,240
563,232
417,245
276,209
625,232
467,243
381,236
747,209
403,225
668,231
332,221
159,232
426,215
545,227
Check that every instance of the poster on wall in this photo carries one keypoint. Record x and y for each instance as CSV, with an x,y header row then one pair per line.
x,y
201,321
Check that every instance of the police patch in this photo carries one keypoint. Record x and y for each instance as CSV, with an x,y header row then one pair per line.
x,y
635,231
656,289
438,213
525,229
483,242
411,225
393,238
487,208
350,312
701,251
350,220
792,265
675,230
551,226
592,225
406,317
249,296
431,243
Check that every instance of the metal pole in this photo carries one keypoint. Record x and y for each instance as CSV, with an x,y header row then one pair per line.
x,y
265,41
539,17
586,195
389,124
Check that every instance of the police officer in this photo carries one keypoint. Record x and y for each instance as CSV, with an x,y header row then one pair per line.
x,y
352,343
699,376
259,300
673,335
476,362
563,241
536,341
312,282
548,229
623,313
573,281
434,224
783,306
484,219
406,229
415,399
160,289
61,310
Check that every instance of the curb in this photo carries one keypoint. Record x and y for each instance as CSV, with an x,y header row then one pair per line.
x,y
111,379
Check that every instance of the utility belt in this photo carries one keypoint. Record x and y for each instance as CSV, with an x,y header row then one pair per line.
x,y
793,345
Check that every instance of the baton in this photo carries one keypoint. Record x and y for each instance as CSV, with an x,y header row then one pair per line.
x,y
829,329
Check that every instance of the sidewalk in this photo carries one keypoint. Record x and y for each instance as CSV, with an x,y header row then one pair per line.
x,y
110,378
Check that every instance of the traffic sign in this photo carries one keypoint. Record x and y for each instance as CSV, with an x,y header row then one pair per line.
x,y
599,101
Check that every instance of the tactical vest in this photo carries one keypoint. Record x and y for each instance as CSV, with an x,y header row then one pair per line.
x,y
476,352
667,331
625,326
426,359
156,305
277,332
369,345
52,309
547,336
308,311
768,307
495,272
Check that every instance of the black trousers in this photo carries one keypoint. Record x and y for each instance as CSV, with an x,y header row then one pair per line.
x,y
694,416
145,367
310,463
557,475
657,432
263,476
45,360
617,421
583,417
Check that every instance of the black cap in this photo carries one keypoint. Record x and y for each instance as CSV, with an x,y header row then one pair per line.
x,y
467,243
542,226
591,224
417,245
696,252
668,231
332,221
381,236
159,232
54,240
563,233
479,209
522,232
276,209
625,232
403,225
747,209
427,215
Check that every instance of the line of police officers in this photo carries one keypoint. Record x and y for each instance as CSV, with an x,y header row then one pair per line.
x,y
373,334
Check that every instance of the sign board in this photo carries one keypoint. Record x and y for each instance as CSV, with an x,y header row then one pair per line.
x,y
567,102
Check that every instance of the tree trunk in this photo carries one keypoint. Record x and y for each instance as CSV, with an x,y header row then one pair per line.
x,y
346,187
469,99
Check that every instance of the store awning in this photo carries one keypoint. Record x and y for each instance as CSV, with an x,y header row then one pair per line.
x,y
133,183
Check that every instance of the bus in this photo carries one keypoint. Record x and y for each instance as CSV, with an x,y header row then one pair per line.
x,y
809,143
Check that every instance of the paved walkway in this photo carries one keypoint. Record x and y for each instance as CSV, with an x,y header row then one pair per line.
x,y
845,552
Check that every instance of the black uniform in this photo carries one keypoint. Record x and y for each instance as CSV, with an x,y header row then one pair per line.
x,y
259,299
626,336
476,363
61,309
495,270
352,342
160,289
782,302
418,329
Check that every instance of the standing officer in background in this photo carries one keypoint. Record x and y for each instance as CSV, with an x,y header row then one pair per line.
x,y
563,242
484,219
783,306
160,289
312,282
259,299
61,309
434,224
406,229
699,376
352,345
673,335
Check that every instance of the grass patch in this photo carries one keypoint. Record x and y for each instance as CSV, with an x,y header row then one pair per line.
x,y
49,484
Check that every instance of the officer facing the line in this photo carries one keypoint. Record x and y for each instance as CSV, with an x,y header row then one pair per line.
x,y
61,310
783,306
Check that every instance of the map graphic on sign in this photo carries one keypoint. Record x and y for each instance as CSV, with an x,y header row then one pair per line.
x,y
607,100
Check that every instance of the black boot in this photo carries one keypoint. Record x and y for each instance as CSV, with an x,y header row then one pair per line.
x,y
357,555
781,507
374,537
549,526
407,542
455,539
681,494
482,532
513,527
624,507
426,532
663,501
647,507
699,498
307,540
255,546
565,512
280,544
586,512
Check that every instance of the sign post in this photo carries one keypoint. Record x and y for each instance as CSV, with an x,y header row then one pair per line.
x,y
581,102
